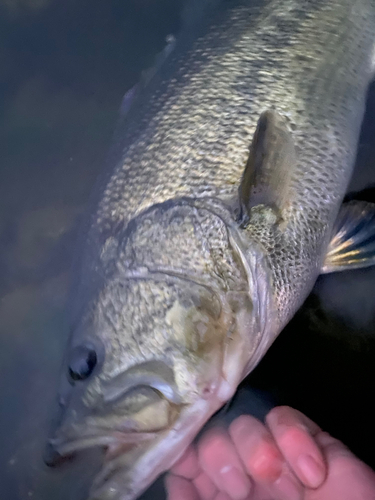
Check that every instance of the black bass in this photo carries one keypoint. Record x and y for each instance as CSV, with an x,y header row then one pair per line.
x,y
221,211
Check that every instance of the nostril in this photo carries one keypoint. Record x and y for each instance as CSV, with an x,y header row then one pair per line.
x,y
208,390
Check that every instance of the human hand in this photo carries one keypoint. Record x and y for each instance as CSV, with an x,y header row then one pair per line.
x,y
288,458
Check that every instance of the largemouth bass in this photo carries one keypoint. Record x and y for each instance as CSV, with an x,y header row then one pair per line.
x,y
221,211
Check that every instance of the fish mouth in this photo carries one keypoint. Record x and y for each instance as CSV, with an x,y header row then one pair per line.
x,y
114,437
58,448
128,471
137,405
133,460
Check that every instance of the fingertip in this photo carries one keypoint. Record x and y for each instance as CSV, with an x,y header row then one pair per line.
x,y
287,416
311,472
294,434
188,465
257,449
325,439
222,496
280,415
179,488
241,423
303,455
206,488
213,446
333,448
222,464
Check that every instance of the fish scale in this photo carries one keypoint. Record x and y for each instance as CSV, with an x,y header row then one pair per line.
x,y
309,60
231,163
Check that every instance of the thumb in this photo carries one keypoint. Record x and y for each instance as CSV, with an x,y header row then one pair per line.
x,y
348,477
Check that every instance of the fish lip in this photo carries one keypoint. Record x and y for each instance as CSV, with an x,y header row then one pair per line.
x,y
60,447
74,436
140,457
127,480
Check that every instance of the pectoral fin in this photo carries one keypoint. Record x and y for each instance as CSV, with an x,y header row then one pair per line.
x,y
353,243
267,175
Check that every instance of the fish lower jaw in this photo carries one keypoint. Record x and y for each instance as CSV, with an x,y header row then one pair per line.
x,y
123,478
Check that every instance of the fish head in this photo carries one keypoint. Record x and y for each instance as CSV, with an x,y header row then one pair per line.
x,y
155,355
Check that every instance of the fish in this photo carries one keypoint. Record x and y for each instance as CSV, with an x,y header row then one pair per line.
x,y
222,207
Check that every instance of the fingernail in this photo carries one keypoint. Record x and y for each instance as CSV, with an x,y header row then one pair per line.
x,y
311,470
287,489
235,483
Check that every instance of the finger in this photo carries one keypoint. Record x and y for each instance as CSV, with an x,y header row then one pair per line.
x,y
293,433
220,461
262,458
205,487
257,449
188,465
285,415
335,450
327,442
352,477
222,496
179,488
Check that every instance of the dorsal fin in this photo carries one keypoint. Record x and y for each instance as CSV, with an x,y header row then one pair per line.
x,y
272,158
146,76
194,11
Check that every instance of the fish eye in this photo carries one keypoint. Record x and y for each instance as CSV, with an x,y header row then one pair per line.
x,y
83,360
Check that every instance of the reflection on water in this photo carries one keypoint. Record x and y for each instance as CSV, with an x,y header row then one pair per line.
x,y
66,68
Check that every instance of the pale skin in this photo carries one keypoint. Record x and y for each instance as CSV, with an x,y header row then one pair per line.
x,y
287,458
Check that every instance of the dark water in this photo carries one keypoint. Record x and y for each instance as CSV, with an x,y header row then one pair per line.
x,y
65,68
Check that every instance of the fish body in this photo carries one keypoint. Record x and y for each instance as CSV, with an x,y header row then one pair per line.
x,y
199,251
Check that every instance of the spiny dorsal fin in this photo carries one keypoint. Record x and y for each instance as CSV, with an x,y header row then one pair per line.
x,y
146,76
353,243
272,158
195,10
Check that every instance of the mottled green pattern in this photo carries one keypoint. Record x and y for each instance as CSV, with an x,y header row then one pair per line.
x,y
309,60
